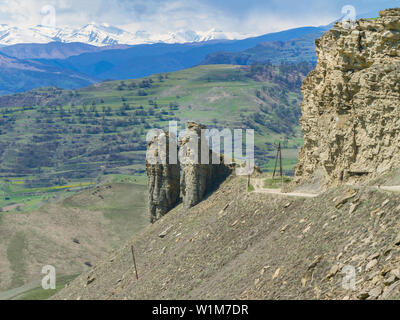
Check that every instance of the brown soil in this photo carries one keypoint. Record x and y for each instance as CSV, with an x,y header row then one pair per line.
x,y
70,234
240,245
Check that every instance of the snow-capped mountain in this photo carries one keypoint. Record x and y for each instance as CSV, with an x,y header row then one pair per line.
x,y
100,35
13,35
105,35
184,36
215,34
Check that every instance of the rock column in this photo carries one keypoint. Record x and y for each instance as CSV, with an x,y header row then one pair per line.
x,y
163,176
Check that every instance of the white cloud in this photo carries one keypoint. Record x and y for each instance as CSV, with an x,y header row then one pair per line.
x,y
251,16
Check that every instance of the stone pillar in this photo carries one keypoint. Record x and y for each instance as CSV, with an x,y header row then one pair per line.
x,y
163,175
199,175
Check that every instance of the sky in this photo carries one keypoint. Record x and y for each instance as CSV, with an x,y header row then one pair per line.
x,y
243,16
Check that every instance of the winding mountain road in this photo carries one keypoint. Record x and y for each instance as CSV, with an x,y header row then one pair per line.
x,y
258,185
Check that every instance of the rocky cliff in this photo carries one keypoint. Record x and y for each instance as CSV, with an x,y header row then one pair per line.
x,y
351,108
199,174
163,177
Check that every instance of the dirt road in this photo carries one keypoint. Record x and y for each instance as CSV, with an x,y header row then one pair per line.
x,y
258,185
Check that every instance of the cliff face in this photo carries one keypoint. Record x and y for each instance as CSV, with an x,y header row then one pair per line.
x,y
198,177
351,108
165,184
163,177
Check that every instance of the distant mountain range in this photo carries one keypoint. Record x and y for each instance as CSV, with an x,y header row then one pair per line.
x,y
105,35
53,50
21,75
73,65
291,51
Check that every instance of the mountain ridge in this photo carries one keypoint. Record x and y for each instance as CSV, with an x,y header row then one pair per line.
x,y
106,35
18,75
143,60
120,63
53,50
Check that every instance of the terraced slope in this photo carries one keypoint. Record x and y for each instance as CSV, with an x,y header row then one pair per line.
x,y
55,137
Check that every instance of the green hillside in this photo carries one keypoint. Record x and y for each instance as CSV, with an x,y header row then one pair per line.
x,y
60,139
70,234
294,50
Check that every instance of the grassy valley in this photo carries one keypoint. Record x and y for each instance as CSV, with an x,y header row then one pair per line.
x,y
54,140
72,175
71,234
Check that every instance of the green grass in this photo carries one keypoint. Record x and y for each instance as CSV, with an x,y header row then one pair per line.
x,y
127,213
74,134
276,183
16,253
119,205
136,179
14,196
41,294
122,204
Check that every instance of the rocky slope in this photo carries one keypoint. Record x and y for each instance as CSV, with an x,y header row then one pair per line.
x,y
351,108
240,245
342,244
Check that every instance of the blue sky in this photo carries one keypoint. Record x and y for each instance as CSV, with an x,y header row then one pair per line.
x,y
245,16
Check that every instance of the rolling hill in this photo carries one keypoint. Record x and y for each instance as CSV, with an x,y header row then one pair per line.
x,y
55,142
294,50
53,50
70,233
53,137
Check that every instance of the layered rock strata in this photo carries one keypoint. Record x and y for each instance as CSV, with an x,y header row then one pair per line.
x,y
351,108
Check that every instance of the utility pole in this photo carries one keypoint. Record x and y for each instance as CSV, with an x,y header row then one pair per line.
x,y
278,157
249,172
134,262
